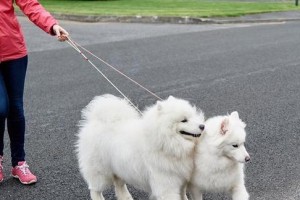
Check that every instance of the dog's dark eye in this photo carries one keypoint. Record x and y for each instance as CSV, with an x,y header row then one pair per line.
x,y
185,120
235,146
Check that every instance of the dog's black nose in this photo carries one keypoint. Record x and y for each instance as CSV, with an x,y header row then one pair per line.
x,y
201,127
247,159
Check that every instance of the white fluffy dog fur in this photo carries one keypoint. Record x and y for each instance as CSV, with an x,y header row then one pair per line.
x,y
220,158
152,152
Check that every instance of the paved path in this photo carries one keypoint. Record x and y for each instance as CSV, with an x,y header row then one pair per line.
x,y
264,17
251,68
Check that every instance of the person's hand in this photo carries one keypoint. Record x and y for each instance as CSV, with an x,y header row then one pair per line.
x,y
61,34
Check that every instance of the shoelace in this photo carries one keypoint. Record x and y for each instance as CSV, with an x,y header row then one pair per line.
x,y
24,169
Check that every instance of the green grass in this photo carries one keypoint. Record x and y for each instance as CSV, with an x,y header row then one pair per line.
x,y
192,8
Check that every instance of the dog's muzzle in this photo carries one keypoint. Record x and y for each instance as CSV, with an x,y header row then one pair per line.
x,y
190,134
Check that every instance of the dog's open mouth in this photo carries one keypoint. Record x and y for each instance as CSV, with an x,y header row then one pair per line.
x,y
190,134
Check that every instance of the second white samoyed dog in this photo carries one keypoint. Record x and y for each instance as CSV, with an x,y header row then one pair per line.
x,y
220,158
153,152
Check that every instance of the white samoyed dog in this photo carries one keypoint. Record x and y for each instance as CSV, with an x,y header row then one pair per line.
x,y
153,152
220,158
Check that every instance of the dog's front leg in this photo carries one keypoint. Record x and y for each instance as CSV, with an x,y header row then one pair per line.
x,y
183,192
240,193
96,195
195,193
121,190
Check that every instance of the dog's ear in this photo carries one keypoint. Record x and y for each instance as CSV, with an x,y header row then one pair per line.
x,y
224,126
244,125
171,97
159,106
235,115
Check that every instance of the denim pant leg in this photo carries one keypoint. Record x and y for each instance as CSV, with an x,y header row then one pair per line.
x,y
3,110
14,73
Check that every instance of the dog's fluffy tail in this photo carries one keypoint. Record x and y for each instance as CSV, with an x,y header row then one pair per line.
x,y
108,109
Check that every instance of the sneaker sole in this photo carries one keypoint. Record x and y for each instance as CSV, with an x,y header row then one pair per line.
x,y
25,183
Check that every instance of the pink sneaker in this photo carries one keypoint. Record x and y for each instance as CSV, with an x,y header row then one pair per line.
x,y
22,172
1,169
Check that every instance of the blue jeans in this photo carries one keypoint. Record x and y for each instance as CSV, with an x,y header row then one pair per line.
x,y
12,78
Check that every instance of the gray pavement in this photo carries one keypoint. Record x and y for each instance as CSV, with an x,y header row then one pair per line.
x,y
252,68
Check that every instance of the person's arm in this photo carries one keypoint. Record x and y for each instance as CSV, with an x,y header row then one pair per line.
x,y
40,17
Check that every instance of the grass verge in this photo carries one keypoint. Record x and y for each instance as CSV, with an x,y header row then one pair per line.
x,y
191,8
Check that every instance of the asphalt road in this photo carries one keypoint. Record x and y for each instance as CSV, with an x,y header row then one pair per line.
x,y
254,69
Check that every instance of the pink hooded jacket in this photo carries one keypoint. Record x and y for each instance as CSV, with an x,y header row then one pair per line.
x,y
12,43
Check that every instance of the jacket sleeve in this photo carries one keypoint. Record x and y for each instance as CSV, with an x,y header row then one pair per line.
x,y
37,14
